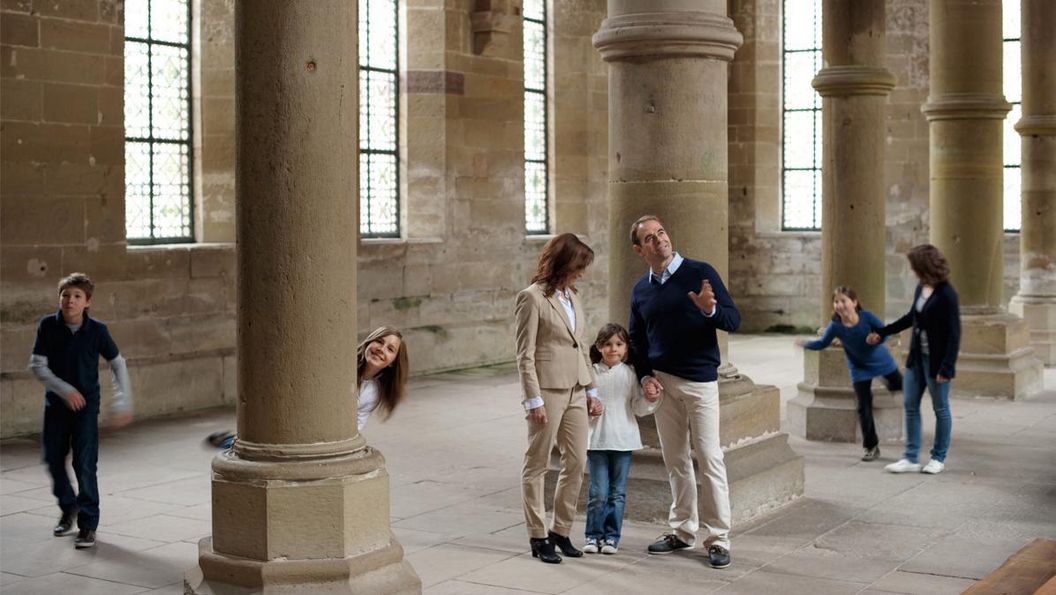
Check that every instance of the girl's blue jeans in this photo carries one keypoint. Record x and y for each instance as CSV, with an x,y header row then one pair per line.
x,y
912,392
608,493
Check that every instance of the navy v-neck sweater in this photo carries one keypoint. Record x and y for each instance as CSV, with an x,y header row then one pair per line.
x,y
669,333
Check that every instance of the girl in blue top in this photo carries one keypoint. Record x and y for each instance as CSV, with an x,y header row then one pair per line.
x,y
851,325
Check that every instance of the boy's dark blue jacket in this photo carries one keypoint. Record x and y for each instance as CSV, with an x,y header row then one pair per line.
x,y
74,357
941,319
669,333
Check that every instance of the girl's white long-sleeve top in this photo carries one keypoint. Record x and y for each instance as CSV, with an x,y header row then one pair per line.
x,y
620,392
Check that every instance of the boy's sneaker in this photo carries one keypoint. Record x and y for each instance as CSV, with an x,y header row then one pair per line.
x,y
718,556
903,466
65,524
871,454
85,539
666,544
591,546
933,467
609,547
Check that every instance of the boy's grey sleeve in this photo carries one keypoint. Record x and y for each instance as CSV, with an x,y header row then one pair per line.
x,y
38,364
122,384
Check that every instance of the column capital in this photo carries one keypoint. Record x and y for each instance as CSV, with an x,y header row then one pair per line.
x,y
966,106
1040,125
673,33
853,79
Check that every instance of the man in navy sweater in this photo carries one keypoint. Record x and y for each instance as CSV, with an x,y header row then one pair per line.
x,y
675,310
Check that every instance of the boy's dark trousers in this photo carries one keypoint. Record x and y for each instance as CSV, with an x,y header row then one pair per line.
x,y
864,391
64,428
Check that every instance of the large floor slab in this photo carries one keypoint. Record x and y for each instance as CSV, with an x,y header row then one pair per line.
x,y
454,451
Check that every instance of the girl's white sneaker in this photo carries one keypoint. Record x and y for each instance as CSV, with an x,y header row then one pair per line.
x,y
934,467
903,466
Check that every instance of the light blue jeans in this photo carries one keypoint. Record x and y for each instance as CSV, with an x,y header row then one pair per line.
x,y
912,392
608,493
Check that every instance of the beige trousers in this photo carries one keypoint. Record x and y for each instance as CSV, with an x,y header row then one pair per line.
x,y
688,415
566,412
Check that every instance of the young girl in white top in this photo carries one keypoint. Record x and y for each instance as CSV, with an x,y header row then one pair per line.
x,y
382,367
613,436
382,372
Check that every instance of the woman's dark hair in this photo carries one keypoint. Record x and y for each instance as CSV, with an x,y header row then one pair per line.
x,y
607,332
850,293
929,264
562,255
393,378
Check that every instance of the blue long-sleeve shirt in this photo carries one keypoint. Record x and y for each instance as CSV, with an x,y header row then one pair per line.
x,y
669,333
864,361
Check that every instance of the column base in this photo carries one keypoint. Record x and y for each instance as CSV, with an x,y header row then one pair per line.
x,y
379,571
996,358
1039,314
312,524
763,471
826,408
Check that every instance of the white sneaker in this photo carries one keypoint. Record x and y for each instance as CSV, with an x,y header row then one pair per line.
x,y
903,466
608,547
934,467
591,547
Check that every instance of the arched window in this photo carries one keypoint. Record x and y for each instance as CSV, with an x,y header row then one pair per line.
x,y
158,139
379,102
1013,75
801,138
536,147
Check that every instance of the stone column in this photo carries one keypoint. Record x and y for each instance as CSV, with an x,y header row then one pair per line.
x,y
1036,300
854,85
300,503
965,110
668,63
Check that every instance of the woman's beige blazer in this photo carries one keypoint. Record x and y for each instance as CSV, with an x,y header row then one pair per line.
x,y
549,353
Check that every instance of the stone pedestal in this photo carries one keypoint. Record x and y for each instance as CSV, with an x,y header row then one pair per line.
x,y
763,471
1036,300
826,407
300,502
965,109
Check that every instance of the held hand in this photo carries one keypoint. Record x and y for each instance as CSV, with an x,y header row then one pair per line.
x,y
801,342
594,407
873,339
705,300
119,420
651,389
941,379
537,415
75,400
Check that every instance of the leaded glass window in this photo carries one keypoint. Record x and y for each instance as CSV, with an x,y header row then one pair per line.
x,y
801,116
1013,79
158,141
379,175
536,174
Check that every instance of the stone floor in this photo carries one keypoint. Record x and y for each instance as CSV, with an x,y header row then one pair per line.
x,y
454,451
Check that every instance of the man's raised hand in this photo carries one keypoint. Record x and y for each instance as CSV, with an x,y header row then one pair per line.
x,y
705,300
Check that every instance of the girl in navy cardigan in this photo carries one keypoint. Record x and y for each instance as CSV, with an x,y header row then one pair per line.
x,y
936,320
852,325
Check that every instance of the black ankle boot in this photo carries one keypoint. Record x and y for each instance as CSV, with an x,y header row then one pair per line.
x,y
565,544
544,550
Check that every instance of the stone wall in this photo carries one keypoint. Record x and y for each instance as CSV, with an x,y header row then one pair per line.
x,y
449,283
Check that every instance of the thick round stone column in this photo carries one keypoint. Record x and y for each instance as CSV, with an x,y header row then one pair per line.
x,y
668,63
300,503
965,110
854,85
1036,300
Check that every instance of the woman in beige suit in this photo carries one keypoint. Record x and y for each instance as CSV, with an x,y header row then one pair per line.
x,y
558,385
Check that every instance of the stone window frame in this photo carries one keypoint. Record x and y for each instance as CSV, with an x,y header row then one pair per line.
x,y
548,123
1010,48
191,143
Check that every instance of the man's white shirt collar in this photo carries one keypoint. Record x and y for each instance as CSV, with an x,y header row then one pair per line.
x,y
676,261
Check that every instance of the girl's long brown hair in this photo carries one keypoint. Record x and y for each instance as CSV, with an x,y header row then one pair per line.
x,y
562,255
847,291
392,379
607,332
